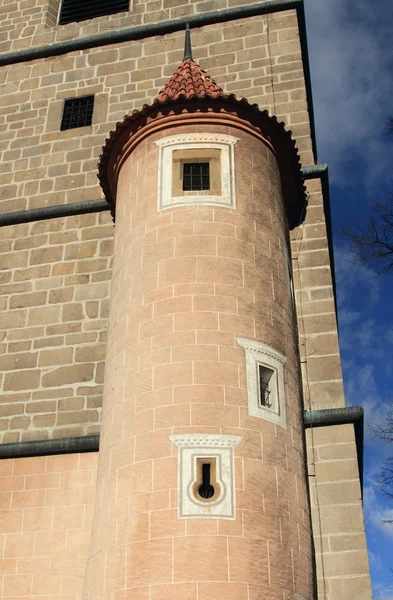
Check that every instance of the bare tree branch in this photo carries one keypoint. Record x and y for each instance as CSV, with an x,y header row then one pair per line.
x,y
384,432
372,242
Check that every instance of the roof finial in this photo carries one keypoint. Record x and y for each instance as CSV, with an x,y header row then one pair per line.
x,y
187,44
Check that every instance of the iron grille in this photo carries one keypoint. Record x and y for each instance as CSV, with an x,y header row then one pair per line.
x,y
265,395
78,112
80,10
196,176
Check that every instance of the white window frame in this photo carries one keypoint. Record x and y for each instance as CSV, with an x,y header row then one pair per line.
x,y
202,141
257,354
192,447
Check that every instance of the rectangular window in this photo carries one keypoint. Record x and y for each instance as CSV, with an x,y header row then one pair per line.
x,y
196,176
265,389
80,10
265,381
78,112
196,169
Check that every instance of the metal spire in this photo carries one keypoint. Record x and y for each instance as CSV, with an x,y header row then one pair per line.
x,y
187,44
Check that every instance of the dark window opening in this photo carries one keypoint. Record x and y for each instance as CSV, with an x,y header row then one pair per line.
x,y
78,112
206,490
265,376
80,10
196,176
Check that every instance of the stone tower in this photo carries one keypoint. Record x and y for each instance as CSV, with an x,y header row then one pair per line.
x,y
216,285
202,394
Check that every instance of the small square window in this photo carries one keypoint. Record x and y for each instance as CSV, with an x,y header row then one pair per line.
x,y
196,169
196,172
78,112
196,176
80,10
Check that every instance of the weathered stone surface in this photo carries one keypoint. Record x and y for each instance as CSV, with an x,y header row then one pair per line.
x,y
64,375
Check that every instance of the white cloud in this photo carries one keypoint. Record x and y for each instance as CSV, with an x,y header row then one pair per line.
x,y
354,277
363,338
375,561
377,513
351,60
362,389
389,336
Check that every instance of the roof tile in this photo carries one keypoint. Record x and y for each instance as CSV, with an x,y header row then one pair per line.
x,y
190,81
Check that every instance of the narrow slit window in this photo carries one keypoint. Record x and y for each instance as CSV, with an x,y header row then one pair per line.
x,y
196,176
78,112
75,10
265,390
206,487
206,490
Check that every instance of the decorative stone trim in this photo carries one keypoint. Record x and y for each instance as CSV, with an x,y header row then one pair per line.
x,y
217,149
196,138
192,440
218,452
259,355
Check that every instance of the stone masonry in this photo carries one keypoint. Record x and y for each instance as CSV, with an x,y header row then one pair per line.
x,y
55,274
42,166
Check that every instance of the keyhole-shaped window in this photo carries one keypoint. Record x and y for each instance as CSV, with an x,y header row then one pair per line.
x,y
206,475
206,488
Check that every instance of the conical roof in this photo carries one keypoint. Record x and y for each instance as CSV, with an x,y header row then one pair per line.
x,y
189,81
191,91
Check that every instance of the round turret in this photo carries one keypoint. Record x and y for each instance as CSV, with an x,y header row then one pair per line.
x,y
202,485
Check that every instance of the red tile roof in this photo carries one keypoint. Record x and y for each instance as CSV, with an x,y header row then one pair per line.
x,y
189,81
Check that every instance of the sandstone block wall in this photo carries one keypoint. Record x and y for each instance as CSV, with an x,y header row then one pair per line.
x,y
43,166
316,312
55,301
341,553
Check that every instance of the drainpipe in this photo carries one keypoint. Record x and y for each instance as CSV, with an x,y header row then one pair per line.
x,y
144,31
53,212
88,443
340,416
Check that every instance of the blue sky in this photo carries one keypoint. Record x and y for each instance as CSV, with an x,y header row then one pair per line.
x,y
351,59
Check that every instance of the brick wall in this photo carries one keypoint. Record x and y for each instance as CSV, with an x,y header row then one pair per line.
x,y
46,513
